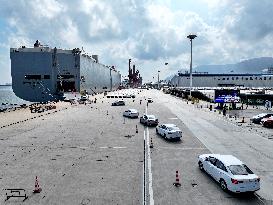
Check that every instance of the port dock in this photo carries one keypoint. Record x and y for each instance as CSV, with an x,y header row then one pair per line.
x,y
90,154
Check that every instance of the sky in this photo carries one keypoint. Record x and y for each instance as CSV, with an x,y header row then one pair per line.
x,y
150,32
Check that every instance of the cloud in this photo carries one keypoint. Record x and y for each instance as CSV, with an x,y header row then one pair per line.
x,y
150,32
251,20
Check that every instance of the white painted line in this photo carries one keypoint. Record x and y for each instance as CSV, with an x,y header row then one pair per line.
x,y
112,147
84,147
144,169
184,148
150,182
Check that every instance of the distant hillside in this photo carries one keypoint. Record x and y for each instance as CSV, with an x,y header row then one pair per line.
x,y
255,65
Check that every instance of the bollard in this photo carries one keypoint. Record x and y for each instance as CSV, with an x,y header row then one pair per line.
x,y
243,120
123,120
136,129
107,112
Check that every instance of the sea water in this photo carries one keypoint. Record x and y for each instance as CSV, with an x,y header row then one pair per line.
x,y
8,99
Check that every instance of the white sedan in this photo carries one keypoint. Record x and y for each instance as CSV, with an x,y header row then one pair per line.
x,y
132,113
169,131
230,172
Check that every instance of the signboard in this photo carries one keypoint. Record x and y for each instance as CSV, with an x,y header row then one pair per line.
x,y
227,96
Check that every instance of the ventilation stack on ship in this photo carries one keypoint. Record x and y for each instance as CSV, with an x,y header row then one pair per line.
x,y
43,74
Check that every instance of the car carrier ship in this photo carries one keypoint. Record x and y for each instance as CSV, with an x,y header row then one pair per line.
x,y
42,74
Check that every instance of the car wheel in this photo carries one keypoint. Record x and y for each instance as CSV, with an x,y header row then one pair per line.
x,y
223,185
201,166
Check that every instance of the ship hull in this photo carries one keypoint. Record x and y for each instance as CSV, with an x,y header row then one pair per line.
x,y
43,74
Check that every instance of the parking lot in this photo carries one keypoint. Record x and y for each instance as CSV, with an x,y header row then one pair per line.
x,y
91,154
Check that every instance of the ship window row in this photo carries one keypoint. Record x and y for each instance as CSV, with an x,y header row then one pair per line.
x,y
65,76
245,78
36,77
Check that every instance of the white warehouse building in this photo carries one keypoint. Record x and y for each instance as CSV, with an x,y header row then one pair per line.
x,y
222,80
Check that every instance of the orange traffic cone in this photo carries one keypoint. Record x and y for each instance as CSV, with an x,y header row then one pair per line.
x,y
37,188
177,183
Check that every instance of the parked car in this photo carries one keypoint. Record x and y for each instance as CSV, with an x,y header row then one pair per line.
x,y
230,172
149,120
118,103
169,131
150,100
257,118
267,122
84,97
132,113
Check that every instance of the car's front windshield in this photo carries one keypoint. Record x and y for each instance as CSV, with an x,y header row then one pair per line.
x,y
240,169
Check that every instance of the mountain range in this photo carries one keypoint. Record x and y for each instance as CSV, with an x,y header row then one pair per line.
x,y
255,65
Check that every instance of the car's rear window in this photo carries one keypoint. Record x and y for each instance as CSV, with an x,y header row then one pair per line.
x,y
239,170
133,111
173,128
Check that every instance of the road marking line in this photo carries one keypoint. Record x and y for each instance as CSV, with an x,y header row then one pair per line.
x,y
150,175
151,193
184,148
112,147
144,169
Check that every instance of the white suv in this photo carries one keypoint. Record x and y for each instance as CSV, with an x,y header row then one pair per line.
x,y
230,172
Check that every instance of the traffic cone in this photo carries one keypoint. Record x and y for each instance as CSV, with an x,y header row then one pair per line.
x,y
37,188
152,144
136,129
177,183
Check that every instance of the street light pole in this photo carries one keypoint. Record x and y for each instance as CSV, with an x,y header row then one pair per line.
x,y
111,80
158,79
191,37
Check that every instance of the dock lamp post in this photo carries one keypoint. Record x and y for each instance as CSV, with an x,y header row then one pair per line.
x,y
191,37
111,80
158,79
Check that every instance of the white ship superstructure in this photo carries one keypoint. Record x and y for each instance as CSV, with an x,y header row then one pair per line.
x,y
222,80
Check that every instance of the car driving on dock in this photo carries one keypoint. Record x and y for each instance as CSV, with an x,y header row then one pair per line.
x,y
132,113
149,120
230,172
169,131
